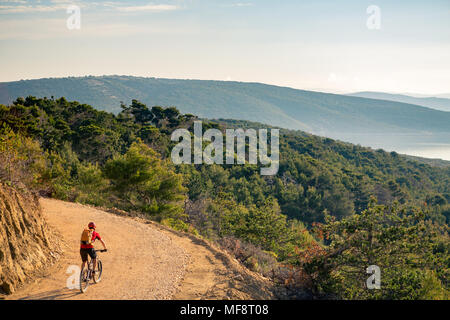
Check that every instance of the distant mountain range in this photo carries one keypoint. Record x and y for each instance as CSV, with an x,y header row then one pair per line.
x,y
439,103
372,122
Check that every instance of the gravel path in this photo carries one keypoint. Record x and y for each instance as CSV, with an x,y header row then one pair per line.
x,y
142,262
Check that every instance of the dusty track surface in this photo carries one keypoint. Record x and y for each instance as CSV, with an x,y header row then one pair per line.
x,y
144,261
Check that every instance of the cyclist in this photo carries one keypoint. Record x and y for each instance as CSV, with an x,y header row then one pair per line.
x,y
88,248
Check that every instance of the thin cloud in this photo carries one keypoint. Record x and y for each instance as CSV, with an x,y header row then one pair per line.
x,y
19,6
239,4
28,9
13,1
38,29
149,7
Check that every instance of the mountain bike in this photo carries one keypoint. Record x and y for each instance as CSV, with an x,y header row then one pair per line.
x,y
87,274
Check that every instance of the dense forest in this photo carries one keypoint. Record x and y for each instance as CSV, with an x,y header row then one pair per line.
x,y
332,210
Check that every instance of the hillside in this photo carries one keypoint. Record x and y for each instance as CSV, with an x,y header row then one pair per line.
x,y
438,103
342,175
365,121
73,152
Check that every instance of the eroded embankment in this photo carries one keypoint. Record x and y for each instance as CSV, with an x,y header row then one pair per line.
x,y
27,244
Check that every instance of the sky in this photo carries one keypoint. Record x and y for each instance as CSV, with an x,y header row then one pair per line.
x,y
332,46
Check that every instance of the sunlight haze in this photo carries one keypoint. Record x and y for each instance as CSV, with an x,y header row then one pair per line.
x,y
324,46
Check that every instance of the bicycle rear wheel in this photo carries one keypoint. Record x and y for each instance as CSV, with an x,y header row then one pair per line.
x,y
98,271
84,280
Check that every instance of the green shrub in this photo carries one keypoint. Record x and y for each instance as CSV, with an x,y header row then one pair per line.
x,y
179,225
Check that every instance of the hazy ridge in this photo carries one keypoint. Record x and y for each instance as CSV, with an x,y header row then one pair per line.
x,y
377,123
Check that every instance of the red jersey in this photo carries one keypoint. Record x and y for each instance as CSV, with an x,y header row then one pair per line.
x,y
95,235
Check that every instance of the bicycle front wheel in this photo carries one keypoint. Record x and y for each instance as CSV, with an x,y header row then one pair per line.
x,y
98,272
84,280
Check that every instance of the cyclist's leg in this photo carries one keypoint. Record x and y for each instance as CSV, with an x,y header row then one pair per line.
x,y
84,257
94,265
93,255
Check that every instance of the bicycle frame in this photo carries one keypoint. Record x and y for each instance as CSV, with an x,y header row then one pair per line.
x,y
85,279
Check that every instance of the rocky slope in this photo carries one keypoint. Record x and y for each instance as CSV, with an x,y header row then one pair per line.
x,y
27,244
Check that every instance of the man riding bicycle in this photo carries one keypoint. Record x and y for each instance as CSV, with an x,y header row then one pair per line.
x,y
87,245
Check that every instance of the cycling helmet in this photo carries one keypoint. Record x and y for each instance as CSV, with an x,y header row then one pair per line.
x,y
91,225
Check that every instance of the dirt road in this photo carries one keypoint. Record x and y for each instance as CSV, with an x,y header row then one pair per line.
x,y
144,261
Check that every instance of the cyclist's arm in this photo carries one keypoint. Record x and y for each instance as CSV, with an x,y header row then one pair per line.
x,y
103,243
